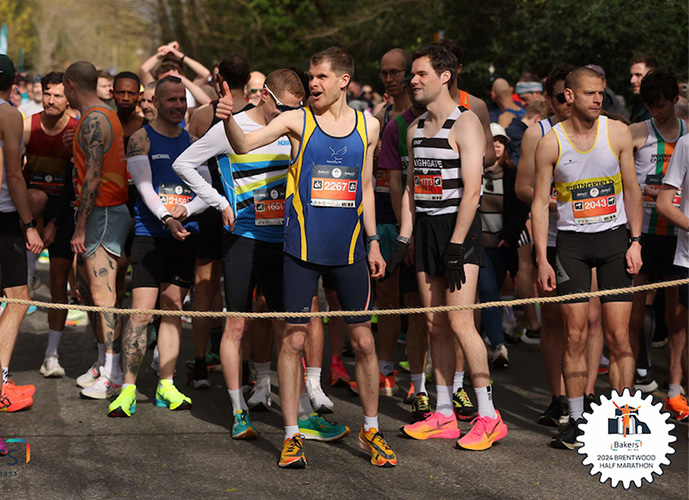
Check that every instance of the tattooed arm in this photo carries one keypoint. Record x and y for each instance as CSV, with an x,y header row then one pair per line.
x,y
95,137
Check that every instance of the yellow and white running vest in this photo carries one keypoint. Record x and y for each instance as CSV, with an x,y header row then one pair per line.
x,y
588,184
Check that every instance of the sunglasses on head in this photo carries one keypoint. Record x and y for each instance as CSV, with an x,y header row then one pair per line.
x,y
560,98
280,106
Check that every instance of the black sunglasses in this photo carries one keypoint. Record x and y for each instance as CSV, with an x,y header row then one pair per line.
x,y
280,106
561,98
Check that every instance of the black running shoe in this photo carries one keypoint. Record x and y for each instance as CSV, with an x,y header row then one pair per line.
x,y
588,399
420,407
463,407
557,413
198,378
566,439
645,384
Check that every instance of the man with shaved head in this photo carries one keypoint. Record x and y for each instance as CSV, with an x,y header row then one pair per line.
x,y
501,93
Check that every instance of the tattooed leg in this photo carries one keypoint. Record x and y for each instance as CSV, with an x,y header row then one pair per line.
x,y
100,270
134,340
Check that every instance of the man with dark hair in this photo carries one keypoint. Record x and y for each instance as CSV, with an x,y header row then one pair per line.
x,y
329,203
102,220
18,233
446,147
597,195
126,92
654,143
48,171
638,67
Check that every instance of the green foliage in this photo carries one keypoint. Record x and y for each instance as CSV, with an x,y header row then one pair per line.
x,y
17,15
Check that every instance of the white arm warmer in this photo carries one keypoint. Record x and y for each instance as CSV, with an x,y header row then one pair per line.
x,y
140,171
197,205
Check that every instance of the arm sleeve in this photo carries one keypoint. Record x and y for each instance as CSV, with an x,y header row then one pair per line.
x,y
140,171
197,205
213,143
389,158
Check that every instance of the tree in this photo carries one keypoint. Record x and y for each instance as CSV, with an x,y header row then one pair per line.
x,y
17,16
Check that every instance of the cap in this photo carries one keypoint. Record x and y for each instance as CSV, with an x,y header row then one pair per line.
x,y
597,69
6,65
528,87
498,131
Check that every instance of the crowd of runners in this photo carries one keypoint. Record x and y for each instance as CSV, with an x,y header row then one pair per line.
x,y
257,188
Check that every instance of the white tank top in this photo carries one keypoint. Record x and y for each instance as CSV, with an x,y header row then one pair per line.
x,y
546,126
588,184
6,203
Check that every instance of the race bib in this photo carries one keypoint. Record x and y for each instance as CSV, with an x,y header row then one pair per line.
x,y
174,194
428,184
594,204
51,184
269,205
334,186
383,181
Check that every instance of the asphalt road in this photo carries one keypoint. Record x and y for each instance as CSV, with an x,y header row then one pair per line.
x,y
78,452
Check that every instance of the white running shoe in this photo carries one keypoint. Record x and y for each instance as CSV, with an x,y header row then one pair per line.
x,y
51,368
90,376
319,401
155,362
260,398
103,388
499,358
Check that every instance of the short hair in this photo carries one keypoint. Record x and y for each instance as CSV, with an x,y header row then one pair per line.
x,y
659,83
538,108
647,59
304,78
105,74
164,80
441,60
234,68
405,55
127,75
166,67
573,80
52,78
557,74
83,74
452,47
150,85
339,59
283,81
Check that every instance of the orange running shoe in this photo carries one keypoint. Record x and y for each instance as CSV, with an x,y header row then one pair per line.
x,y
374,443
435,425
338,373
484,433
411,394
677,406
387,386
28,390
292,456
11,402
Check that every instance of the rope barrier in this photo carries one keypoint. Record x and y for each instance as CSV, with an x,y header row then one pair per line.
x,y
323,314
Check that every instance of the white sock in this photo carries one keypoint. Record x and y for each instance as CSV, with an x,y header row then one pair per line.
x,y
387,368
576,407
262,371
642,372
484,395
5,374
314,374
419,381
674,390
127,385
101,354
291,430
458,381
111,368
53,342
444,403
237,398
305,408
370,423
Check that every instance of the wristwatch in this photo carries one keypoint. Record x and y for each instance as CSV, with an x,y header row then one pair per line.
x,y
165,218
638,239
31,224
404,239
373,237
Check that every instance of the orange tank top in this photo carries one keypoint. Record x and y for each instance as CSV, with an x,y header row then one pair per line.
x,y
464,99
113,182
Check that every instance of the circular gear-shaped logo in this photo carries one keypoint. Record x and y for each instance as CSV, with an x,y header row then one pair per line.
x,y
626,439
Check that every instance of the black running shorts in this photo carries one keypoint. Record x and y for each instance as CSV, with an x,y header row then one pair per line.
x,y
13,266
162,260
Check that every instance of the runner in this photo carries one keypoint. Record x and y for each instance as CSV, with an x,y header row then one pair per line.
x,y
48,171
329,197
162,254
440,204
589,158
102,220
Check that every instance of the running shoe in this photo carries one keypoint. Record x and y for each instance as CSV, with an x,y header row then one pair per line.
x,y
677,406
75,316
484,433
387,386
155,360
420,407
167,396
260,399
589,399
51,368
374,442
125,404
23,390
31,310
604,365
90,377
319,401
464,408
435,425
566,439
3,448
411,393
557,413
198,376
103,388
11,402
319,429
532,337
404,365
645,384
212,363
338,373
499,357
292,455
242,428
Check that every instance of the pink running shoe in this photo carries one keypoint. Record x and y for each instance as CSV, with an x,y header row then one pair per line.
x,y
435,425
338,373
484,433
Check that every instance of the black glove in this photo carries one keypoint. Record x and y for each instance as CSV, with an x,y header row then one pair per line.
x,y
396,259
454,266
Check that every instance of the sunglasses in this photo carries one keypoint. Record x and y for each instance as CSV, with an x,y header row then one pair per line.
x,y
560,98
280,106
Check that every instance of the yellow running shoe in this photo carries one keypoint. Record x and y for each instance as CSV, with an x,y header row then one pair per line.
x,y
374,442
125,404
167,396
292,456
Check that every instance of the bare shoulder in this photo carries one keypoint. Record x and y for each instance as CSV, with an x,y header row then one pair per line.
x,y
139,143
619,134
478,106
372,127
548,144
201,120
10,119
467,120
639,133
